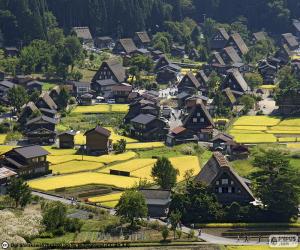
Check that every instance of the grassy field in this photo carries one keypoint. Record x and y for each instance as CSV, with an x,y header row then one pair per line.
x,y
265,129
75,166
101,108
80,179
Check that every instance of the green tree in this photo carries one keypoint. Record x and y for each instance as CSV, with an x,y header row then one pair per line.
x,y
63,98
54,217
174,217
19,191
162,41
164,174
248,102
120,146
165,233
131,206
74,49
253,79
213,82
277,185
17,97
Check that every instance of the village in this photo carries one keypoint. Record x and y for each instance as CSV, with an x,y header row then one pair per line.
x,y
186,136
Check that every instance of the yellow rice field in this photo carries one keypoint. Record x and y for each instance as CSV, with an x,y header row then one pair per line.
x,y
102,108
105,198
75,166
2,138
131,166
145,145
106,159
80,179
265,129
5,148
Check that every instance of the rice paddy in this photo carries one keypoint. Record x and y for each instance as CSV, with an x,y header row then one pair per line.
x,y
75,166
101,108
265,129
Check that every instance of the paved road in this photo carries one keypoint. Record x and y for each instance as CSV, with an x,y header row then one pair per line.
x,y
204,236
267,105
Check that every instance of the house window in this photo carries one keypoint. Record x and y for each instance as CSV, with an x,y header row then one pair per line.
x,y
217,182
229,190
198,114
225,190
232,182
202,119
224,181
194,120
220,190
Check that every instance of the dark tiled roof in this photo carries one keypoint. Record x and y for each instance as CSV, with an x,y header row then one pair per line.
x,y
34,83
238,40
235,73
31,151
143,119
224,33
290,39
128,45
83,33
7,84
222,136
100,130
183,95
143,36
259,36
232,54
69,132
156,196
48,100
42,117
178,130
80,84
106,82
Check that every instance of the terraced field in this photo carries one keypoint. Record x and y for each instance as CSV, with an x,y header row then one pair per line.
x,y
265,129
101,108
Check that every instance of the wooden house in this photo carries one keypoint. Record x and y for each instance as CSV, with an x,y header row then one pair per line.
x,y
5,86
103,42
27,162
178,51
142,39
157,202
86,99
180,135
230,56
97,140
80,88
6,175
66,139
156,54
45,101
109,74
147,127
290,40
41,130
199,121
219,39
166,71
224,182
220,140
84,34
296,27
236,82
267,71
189,84
284,54
120,92
230,99
289,103
203,80
194,55
237,42
216,58
22,80
125,46
34,86
28,112
11,51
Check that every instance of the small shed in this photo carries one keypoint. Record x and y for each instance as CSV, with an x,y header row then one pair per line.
x,y
97,140
157,201
86,99
66,139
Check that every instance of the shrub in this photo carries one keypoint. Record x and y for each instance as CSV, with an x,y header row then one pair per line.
x,y
179,233
165,233
73,225
191,234
13,136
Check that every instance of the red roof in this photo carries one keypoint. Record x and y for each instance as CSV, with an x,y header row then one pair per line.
x,y
178,130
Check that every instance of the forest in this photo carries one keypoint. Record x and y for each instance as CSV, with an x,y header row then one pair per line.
x,y
24,20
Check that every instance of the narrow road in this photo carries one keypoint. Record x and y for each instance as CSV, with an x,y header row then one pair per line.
x,y
209,238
